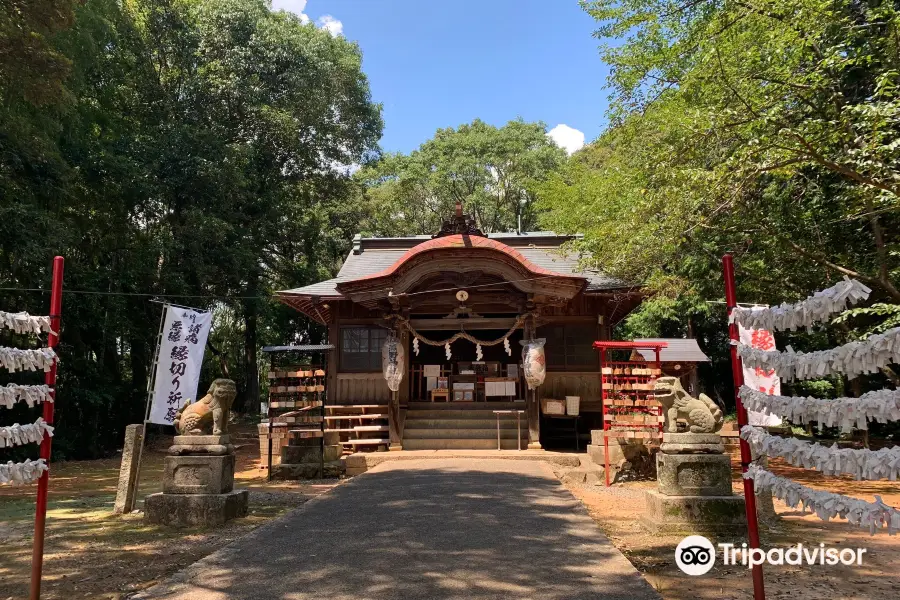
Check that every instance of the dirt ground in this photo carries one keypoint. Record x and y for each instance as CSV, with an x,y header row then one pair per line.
x,y
616,509
92,553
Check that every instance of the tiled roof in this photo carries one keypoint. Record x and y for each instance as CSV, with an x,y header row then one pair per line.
x,y
678,350
372,255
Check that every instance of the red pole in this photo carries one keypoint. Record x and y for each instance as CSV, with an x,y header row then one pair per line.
x,y
40,515
737,371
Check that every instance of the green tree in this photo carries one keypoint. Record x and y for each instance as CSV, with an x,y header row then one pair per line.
x,y
765,128
492,171
194,155
773,94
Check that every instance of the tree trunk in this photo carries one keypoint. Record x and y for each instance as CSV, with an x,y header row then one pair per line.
x,y
140,366
251,367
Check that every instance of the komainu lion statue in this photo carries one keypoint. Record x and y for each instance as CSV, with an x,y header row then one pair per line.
x,y
702,414
209,411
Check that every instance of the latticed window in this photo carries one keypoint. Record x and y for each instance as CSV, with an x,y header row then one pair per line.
x,y
361,348
570,346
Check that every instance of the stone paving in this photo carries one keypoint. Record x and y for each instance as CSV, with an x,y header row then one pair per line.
x,y
435,529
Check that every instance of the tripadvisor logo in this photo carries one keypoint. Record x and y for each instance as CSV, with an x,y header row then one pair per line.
x,y
696,555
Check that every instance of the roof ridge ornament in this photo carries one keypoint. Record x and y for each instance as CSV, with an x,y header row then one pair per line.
x,y
459,224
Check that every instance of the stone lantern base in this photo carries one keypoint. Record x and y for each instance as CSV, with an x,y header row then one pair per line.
x,y
694,487
198,485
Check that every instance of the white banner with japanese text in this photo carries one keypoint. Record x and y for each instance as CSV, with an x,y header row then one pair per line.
x,y
766,381
178,364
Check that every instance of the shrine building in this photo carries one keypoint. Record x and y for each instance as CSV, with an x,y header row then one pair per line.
x,y
489,291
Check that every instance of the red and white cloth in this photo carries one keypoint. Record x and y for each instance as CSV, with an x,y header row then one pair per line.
x,y
758,378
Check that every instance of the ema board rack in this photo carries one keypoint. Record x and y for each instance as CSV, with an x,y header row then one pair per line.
x,y
630,410
297,393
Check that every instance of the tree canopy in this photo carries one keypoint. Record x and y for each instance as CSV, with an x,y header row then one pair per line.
x,y
766,128
187,148
492,171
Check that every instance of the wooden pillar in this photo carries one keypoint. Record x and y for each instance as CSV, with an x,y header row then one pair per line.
x,y
404,385
394,404
532,410
332,395
394,421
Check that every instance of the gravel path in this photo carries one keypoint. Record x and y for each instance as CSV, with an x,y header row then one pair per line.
x,y
435,529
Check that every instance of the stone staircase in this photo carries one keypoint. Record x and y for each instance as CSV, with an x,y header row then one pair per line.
x,y
462,426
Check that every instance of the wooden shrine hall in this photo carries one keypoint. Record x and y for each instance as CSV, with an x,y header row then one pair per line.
x,y
459,303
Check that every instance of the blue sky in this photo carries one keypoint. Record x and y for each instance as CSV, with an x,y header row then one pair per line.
x,y
441,63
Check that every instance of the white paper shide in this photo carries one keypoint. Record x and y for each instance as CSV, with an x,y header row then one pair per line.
x,y
817,308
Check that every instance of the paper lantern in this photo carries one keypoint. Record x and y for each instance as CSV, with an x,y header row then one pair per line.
x,y
393,362
534,363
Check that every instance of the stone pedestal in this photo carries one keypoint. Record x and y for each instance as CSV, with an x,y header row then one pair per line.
x,y
202,444
693,474
198,484
198,474
693,514
303,458
694,487
195,510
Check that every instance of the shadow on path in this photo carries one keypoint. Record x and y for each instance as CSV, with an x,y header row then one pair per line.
x,y
423,529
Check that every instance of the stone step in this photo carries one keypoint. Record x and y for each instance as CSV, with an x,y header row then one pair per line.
x,y
459,414
417,423
480,434
489,406
462,444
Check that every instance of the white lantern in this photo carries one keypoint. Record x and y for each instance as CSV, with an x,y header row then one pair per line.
x,y
534,363
393,362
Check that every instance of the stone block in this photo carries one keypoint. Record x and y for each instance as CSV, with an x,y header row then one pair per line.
x,y
198,474
355,464
125,491
195,510
202,444
202,440
332,438
297,471
309,454
693,514
692,443
693,474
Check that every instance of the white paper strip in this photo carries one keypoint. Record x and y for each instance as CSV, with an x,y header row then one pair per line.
x,y
853,359
22,322
14,359
815,309
873,515
882,406
29,394
31,433
870,465
22,473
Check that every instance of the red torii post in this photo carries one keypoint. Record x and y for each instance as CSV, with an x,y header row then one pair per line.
x,y
40,513
737,371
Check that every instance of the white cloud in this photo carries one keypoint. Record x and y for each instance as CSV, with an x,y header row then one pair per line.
x,y
326,22
331,25
295,6
567,138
